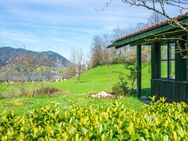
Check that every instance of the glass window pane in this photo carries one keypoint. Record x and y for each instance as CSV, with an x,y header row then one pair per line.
x,y
172,50
164,69
164,52
172,69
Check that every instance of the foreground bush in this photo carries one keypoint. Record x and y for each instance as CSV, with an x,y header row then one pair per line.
x,y
22,89
126,83
121,87
49,91
160,121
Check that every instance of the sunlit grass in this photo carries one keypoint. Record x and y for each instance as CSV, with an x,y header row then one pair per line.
x,y
95,80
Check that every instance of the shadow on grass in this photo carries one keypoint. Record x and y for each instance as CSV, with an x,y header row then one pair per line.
x,y
144,92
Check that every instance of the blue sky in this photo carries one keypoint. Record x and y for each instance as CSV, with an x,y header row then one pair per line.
x,y
59,25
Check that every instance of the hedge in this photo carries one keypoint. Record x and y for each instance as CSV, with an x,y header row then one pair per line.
x,y
158,121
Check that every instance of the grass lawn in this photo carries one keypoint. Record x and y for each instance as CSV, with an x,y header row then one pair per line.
x,y
93,81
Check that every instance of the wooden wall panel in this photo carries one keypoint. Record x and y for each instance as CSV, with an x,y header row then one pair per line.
x,y
170,89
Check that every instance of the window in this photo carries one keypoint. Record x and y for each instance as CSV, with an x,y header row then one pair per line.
x,y
167,64
164,60
172,60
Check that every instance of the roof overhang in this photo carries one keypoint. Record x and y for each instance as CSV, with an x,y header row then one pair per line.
x,y
143,36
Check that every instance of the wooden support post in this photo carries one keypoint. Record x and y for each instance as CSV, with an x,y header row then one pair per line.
x,y
155,60
155,65
180,62
139,67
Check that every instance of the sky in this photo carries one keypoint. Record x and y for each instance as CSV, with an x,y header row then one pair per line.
x,y
60,25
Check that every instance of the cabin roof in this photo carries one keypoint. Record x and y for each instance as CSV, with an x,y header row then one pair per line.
x,y
147,32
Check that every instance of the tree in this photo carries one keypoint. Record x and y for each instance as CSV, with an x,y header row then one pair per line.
x,y
108,55
97,51
118,33
47,66
44,67
77,58
100,55
26,64
5,73
155,18
159,7
139,26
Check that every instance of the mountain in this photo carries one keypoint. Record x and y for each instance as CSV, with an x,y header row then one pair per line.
x,y
8,54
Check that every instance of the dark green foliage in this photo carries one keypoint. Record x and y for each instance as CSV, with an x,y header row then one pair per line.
x,y
160,121
121,87
132,75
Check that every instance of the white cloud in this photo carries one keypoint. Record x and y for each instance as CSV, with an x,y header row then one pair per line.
x,y
15,35
63,23
78,12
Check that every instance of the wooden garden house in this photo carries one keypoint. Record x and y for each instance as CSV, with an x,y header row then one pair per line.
x,y
169,64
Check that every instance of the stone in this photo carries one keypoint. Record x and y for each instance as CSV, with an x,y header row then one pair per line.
x,y
103,94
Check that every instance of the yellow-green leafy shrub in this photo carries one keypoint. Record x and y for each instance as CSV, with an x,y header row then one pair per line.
x,y
160,121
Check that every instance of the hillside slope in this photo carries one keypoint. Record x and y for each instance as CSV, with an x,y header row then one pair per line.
x,y
7,54
95,80
101,78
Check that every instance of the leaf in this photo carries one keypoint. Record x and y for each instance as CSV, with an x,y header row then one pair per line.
x,y
175,138
130,129
100,128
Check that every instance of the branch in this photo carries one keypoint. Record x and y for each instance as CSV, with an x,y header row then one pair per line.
x,y
143,3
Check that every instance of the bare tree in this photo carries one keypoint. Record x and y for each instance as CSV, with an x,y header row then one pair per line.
x,y
100,55
5,73
97,51
77,58
159,6
69,71
26,64
47,66
119,32
155,18
44,67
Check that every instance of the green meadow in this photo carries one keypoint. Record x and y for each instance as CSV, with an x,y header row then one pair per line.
x,y
101,78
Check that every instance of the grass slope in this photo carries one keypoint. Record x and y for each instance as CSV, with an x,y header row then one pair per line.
x,y
101,78
95,80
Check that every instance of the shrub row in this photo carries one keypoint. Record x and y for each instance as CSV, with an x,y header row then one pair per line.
x,y
160,121
23,90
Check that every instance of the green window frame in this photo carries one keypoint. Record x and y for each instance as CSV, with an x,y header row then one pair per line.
x,y
167,60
